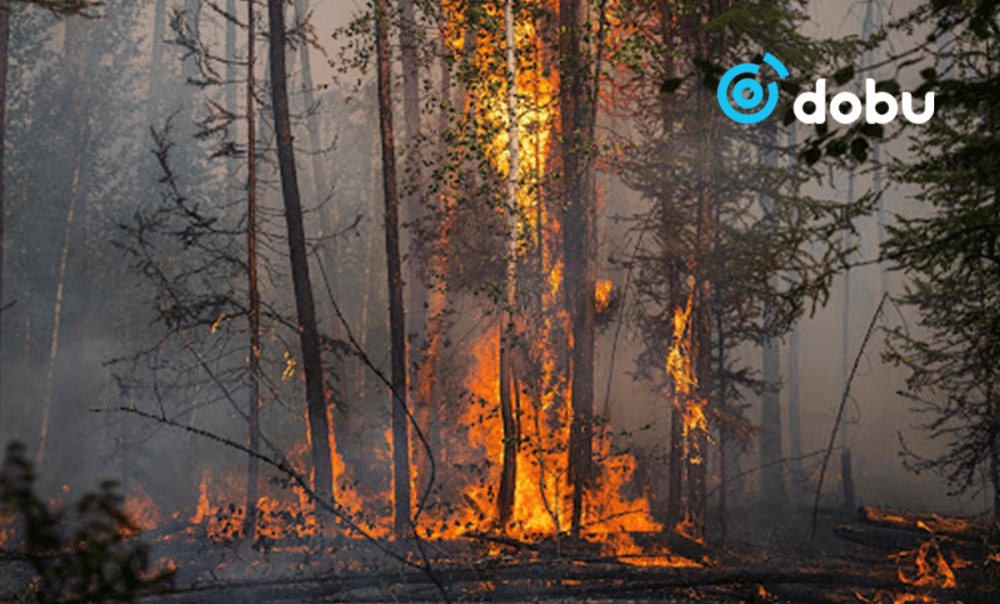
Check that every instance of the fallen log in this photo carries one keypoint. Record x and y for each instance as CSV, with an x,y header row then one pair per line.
x,y
955,526
677,544
541,582
892,540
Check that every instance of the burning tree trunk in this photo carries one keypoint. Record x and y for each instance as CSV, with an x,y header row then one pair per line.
x,y
508,477
428,382
676,452
579,240
397,320
253,467
311,361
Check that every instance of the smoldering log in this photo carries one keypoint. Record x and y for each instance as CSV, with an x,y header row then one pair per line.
x,y
955,526
893,540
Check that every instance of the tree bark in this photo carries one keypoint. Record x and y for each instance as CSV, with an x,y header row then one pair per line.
x,y
253,464
508,476
397,319
417,307
579,241
319,428
327,222
4,46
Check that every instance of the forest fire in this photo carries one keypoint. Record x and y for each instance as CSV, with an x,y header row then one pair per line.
x,y
931,568
495,301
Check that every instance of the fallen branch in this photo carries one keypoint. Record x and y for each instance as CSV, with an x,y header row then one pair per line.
x,y
840,412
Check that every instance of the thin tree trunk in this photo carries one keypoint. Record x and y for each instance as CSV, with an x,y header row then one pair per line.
x,y
994,449
846,480
76,51
320,192
156,63
700,326
319,428
4,45
56,323
676,452
508,477
397,319
429,382
253,464
772,481
723,435
417,307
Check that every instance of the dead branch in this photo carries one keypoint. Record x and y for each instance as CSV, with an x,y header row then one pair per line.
x,y
840,412
285,468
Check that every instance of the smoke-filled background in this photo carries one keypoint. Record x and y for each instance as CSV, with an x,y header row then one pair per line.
x,y
124,263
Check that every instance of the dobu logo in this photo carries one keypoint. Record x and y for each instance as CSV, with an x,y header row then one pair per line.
x,y
753,87
872,101
845,107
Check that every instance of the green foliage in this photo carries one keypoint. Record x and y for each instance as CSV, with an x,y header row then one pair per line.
x,y
950,252
97,560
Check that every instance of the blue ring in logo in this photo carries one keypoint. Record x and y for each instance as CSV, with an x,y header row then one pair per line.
x,y
753,87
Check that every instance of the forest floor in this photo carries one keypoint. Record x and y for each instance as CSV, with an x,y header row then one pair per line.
x,y
764,561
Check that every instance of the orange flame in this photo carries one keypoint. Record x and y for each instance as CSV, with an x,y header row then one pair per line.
x,y
932,569
141,510
602,295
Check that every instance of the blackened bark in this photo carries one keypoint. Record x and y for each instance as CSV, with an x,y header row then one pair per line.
x,y
4,44
579,241
418,299
397,319
253,465
994,445
319,428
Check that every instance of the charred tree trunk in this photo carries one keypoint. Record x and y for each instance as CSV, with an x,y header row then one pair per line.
x,y
4,46
397,319
675,462
417,306
253,465
994,445
700,327
579,240
320,192
312,365
508,477
675,456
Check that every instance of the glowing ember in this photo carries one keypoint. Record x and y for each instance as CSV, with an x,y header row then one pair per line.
x,y
6,529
